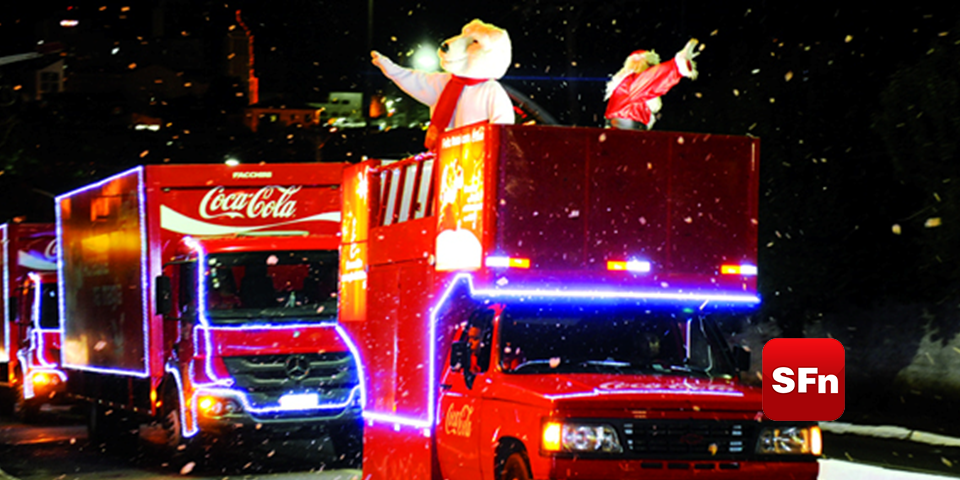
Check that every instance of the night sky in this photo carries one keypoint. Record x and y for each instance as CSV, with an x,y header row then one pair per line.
x,y
857,109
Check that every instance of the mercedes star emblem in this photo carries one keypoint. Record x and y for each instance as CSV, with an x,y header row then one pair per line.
x,y
297,367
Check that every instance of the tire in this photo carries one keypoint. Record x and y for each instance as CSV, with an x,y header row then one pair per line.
x,y
515,468
171,424
27,411
100,426
111,426
348,445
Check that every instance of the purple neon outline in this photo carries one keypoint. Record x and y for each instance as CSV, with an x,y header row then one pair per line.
x,y
5,244
40,352
141,192
431,419
183,411
616,295
206,329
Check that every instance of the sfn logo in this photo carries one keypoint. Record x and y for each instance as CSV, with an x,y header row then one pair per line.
x,y
803,379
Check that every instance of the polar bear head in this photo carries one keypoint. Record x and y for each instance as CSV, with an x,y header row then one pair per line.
x,y
480,51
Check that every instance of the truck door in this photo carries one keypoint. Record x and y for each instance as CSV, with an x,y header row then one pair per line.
x,y
458,428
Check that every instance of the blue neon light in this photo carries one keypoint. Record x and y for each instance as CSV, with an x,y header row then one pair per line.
x,y
5,245
218,385
186,431
145,291
432,419
145,294
361,373
617,295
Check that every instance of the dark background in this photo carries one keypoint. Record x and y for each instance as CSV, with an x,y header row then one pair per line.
x,y
856,108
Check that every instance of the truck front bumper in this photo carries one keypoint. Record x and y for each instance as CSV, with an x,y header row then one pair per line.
x,y
569,468
303,424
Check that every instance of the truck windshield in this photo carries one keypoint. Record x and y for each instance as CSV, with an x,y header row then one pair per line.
x,y
609,340
49,309
272,287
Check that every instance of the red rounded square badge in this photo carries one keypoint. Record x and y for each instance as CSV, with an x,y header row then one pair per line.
x,y
803,379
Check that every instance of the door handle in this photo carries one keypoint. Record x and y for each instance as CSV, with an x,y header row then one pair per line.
x,y
446,386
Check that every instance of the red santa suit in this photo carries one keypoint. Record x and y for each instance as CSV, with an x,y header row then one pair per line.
x,y
637,96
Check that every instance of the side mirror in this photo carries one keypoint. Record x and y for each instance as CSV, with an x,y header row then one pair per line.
x,y
15,309
164,295
741,358
459,355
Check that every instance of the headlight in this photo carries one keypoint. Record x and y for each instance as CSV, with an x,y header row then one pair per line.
x,y
215,407
790,440
580,437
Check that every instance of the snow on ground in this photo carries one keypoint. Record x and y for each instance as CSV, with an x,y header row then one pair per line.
x,y
841,470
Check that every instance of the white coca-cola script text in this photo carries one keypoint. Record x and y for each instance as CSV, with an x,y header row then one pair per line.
x,y
268,202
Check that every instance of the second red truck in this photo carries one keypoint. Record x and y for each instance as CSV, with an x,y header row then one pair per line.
x,y
204,298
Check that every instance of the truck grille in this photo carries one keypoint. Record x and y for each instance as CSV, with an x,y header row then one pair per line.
x,y
690,439
265,378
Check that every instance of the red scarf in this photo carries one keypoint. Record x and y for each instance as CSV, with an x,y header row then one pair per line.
x,y
445,107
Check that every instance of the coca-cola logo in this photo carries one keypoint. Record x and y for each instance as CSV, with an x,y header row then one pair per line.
x,y
683,386
268,202
458,423
50,253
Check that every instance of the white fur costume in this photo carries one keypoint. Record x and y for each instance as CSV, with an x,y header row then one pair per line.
x,y
481,51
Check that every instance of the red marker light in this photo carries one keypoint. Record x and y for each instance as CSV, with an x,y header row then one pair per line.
x,y
745,270
631,266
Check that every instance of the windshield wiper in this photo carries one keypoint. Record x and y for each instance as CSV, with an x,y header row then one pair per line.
x,y
530,364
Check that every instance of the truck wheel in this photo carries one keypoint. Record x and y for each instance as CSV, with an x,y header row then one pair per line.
x,y
515,468
101,424
172,425
111,426
348,445
25,410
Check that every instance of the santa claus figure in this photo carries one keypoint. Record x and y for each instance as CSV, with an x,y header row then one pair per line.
x,y
633,94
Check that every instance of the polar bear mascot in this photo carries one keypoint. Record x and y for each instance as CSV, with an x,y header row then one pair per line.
x,y
468,91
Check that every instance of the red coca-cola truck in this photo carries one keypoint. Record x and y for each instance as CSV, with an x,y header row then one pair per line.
x,y
30,346
544,302
204,298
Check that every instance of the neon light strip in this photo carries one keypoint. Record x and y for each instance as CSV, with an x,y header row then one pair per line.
x,y
61,306
37,346
431,419
398,420
186,431
41,349
643,391
629,295
5,245
361,374
145,294
206,330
